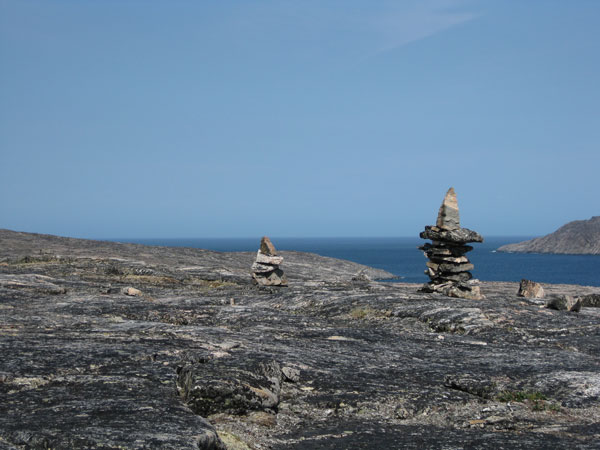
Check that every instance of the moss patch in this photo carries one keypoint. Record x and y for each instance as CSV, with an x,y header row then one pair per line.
x,y
520,396
535,400
366,312
232,442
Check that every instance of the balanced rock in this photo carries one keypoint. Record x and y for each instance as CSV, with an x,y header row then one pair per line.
x,y
448,216
530,289
448,267
267,247
265,270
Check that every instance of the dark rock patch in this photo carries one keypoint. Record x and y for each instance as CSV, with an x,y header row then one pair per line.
x,y
235,387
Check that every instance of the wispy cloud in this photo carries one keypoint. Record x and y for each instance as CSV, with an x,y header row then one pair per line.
x,y
351,29
404,23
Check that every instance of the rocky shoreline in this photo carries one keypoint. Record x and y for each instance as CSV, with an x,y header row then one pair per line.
x,y
580,237
111,345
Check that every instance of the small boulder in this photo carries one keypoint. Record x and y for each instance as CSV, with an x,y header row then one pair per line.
x,y
290,374
473,292
361,276
133,292
590,300
530,289
564,303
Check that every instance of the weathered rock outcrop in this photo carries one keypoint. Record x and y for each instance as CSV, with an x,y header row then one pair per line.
x,y
577,237
229,385
329,362
448,267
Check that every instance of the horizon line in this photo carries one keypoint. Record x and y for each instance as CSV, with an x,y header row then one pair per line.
x,y
122,238
301,237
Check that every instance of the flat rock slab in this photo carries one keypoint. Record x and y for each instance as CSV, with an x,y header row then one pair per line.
x,y
456,236
91,411
83,380
31,282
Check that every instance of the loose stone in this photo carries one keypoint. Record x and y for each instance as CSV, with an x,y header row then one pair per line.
x,y
530,289
266,259
564,303
262,268
133,292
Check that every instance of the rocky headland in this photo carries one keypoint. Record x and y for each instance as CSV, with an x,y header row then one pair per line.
x,y
108,345
577,237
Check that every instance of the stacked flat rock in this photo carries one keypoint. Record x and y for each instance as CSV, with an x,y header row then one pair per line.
x,y
265,270
448,267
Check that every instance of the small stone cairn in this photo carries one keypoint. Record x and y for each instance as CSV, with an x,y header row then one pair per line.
x,y
265,270
448,267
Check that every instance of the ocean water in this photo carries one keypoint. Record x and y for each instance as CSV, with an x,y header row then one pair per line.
x,y
401,257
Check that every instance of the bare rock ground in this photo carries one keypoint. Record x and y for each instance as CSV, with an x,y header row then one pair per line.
x,y
201,358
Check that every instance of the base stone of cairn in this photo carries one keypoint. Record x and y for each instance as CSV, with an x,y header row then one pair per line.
x,y
265,270
448,267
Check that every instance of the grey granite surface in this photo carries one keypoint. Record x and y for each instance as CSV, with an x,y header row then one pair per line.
x,y
198,357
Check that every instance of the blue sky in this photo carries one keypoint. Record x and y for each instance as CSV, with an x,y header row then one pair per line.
x,y
316,118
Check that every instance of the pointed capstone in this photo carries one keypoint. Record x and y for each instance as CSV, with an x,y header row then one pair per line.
x,y
267,247
448,217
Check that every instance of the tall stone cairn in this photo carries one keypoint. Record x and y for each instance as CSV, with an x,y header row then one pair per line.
x,y
265,270
448,267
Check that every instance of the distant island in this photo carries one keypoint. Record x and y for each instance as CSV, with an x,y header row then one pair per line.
x,y
577,237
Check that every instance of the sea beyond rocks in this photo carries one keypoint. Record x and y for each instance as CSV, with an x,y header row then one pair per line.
x,y
108,345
